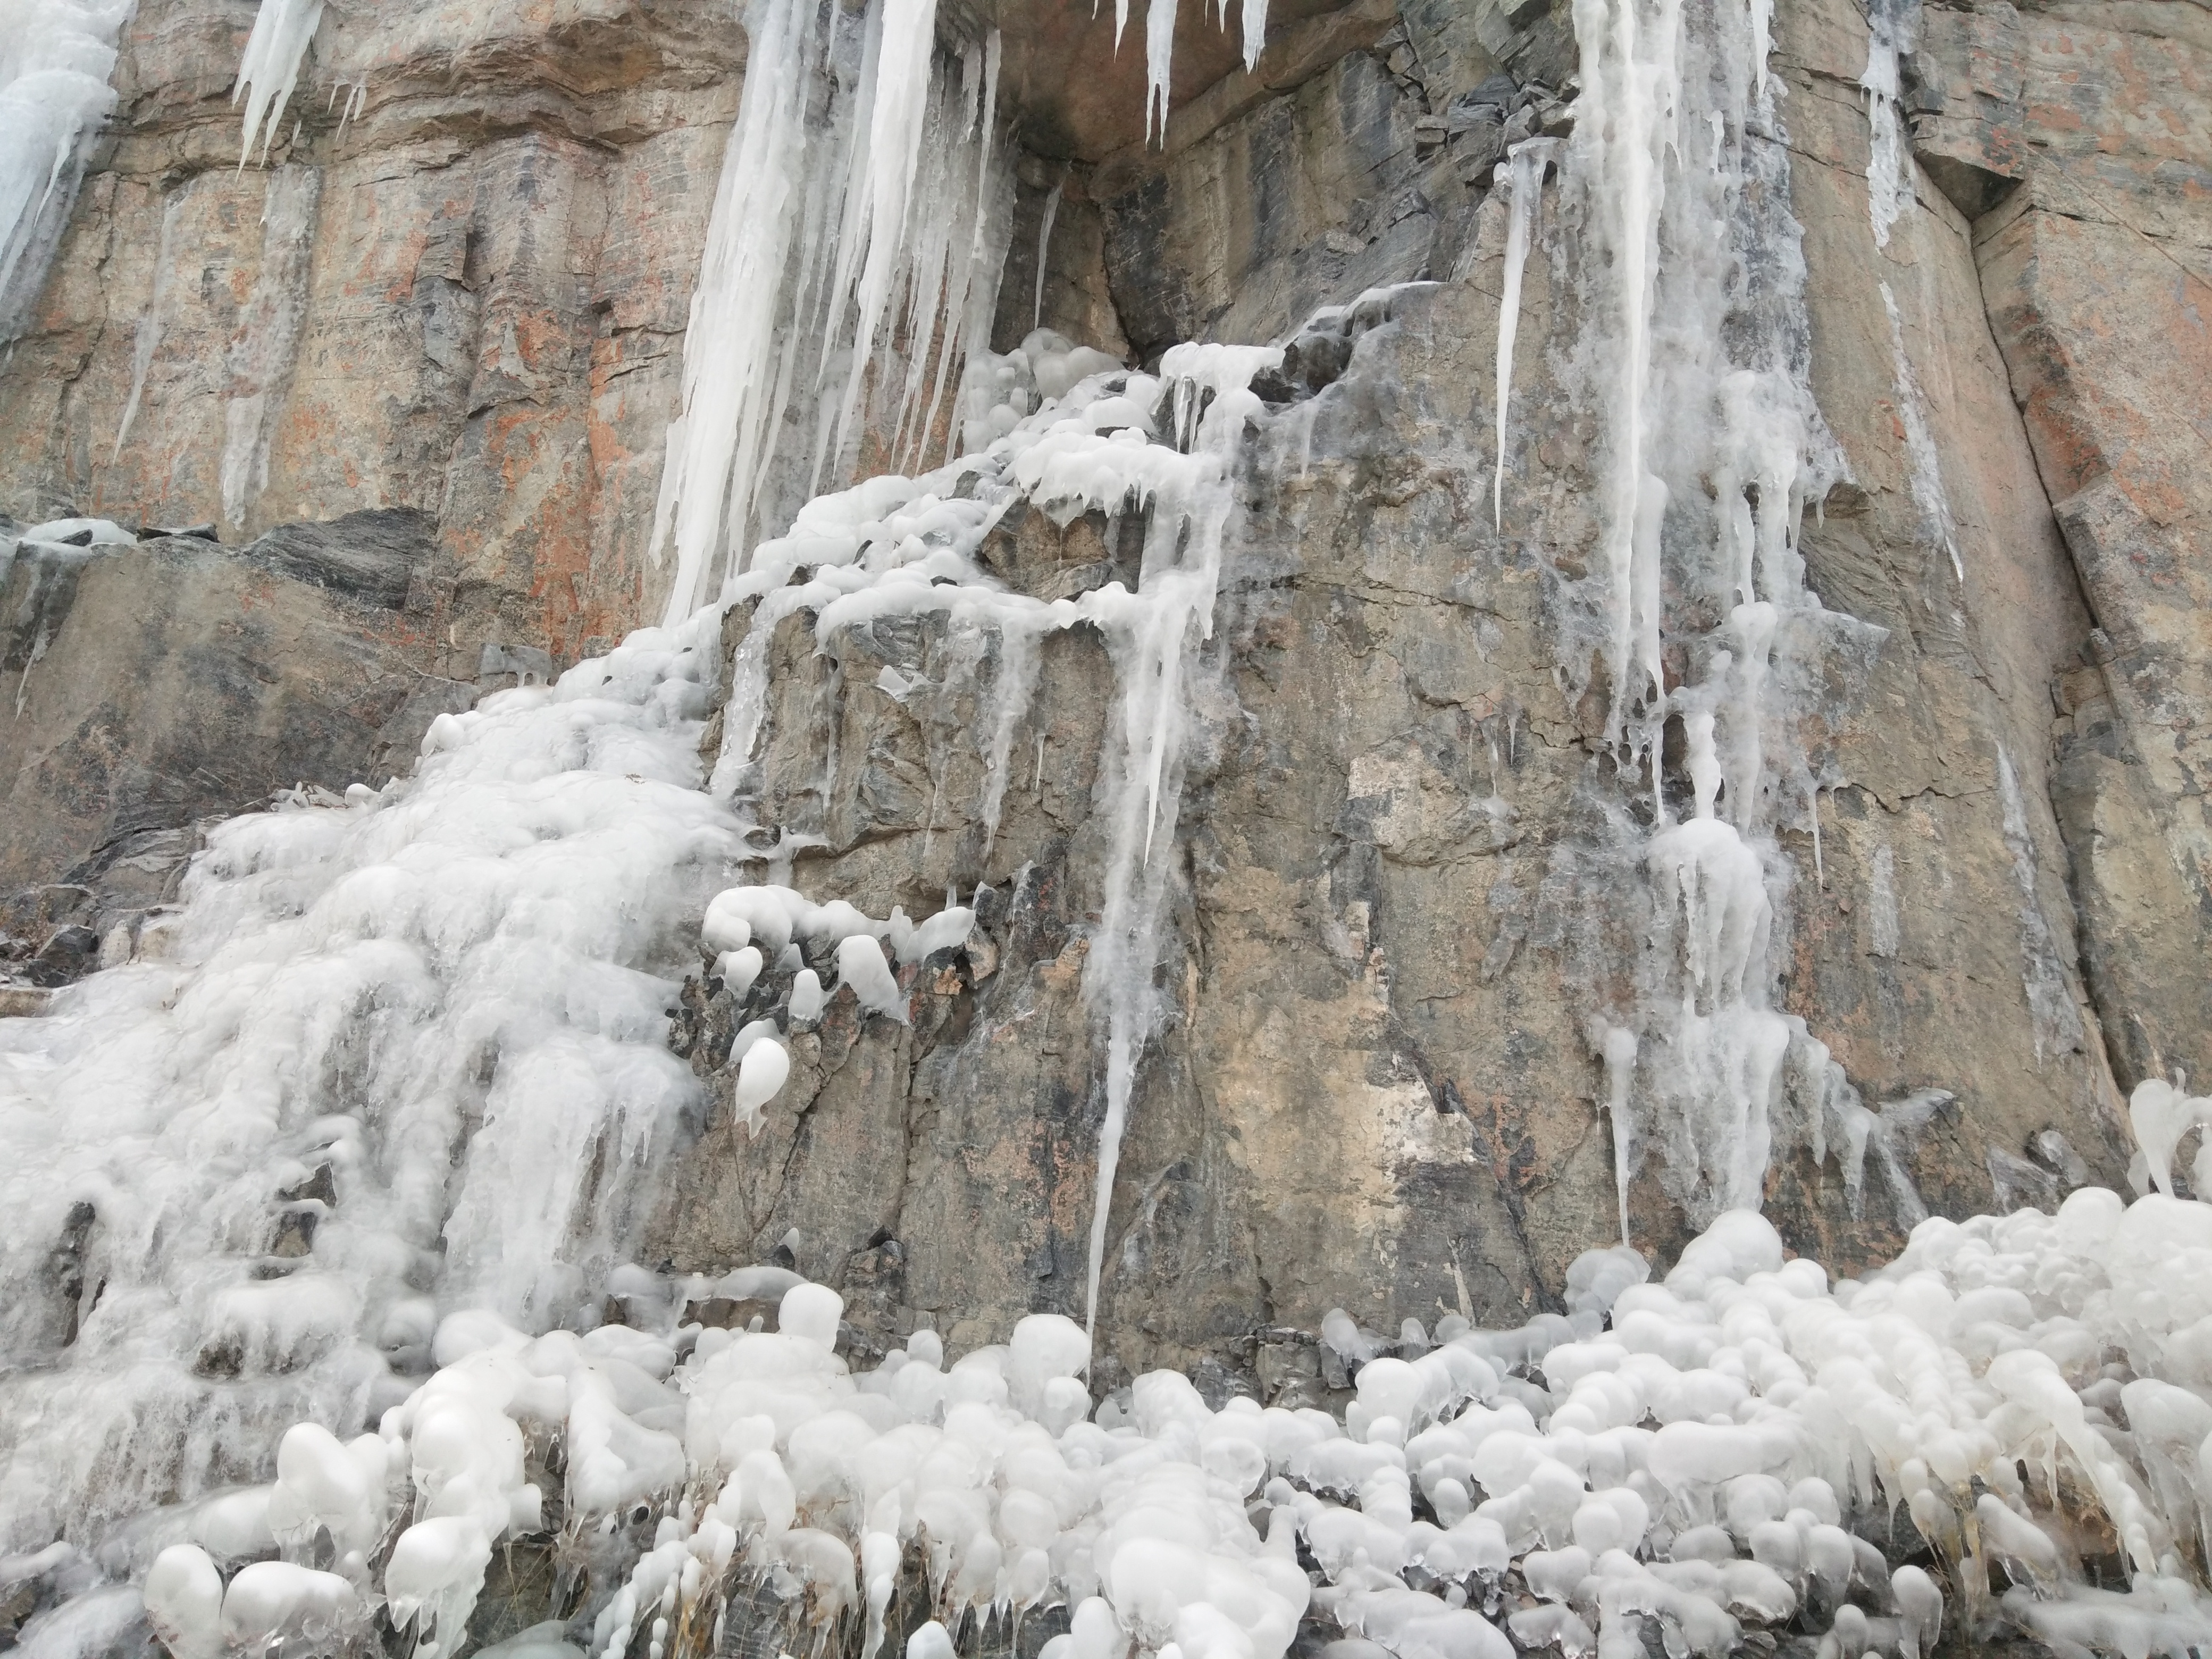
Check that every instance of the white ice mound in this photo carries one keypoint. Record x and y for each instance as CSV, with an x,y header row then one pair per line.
x,y
761,1074
1681,1460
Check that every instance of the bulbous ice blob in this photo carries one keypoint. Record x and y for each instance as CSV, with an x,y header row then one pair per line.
x,y
1919,1608
1053,1345
758,1495
184,1602
755,916
541,1641
811,1311
759,1030
1738,1244
235,1526
948,929
437,1569
761,1073
269,1597
860,964
807,997
931,1641
1341,1332
739,968
1597,1529
322,1483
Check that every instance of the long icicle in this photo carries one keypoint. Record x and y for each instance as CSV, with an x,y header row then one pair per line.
x,y
1525,171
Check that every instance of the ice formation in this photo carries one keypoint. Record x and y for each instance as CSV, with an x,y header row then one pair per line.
x,y
1044,248
1891,25
861,217
430,1019
54,97
1102,438
268,72
260,358
1522,174
1694,620
2017,1403
1926,468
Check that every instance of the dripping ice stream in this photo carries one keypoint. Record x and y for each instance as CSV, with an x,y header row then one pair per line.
x,y
430,1021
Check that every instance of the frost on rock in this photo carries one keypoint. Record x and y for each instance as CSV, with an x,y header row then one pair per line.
x,y
55,63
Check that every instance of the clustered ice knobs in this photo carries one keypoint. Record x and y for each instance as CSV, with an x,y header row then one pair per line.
x,y
1682,1455
778,918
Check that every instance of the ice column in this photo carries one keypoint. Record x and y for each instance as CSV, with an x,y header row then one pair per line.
x,y
1044,247
716,446
1689,289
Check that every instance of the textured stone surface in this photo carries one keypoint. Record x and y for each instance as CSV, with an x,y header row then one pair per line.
x,y
151,685
467,301
2096,276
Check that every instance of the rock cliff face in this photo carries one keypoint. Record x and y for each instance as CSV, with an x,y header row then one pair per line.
x,y
1376,1083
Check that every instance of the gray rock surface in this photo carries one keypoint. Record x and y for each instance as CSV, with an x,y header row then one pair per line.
x,y
151,686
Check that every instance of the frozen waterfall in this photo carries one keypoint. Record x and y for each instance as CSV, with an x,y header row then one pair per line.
x,y
318,1210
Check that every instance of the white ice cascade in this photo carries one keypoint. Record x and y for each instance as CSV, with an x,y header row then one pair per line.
x,y
1694,620
56,57
431,1019
859,230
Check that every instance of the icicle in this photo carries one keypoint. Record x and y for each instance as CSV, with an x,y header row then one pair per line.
x,y
1159,58
1630,69
1524,172
1154,634
716,448
1890,28
1618,1048
1044,247
897,115
1657,233
1256,32
283,31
